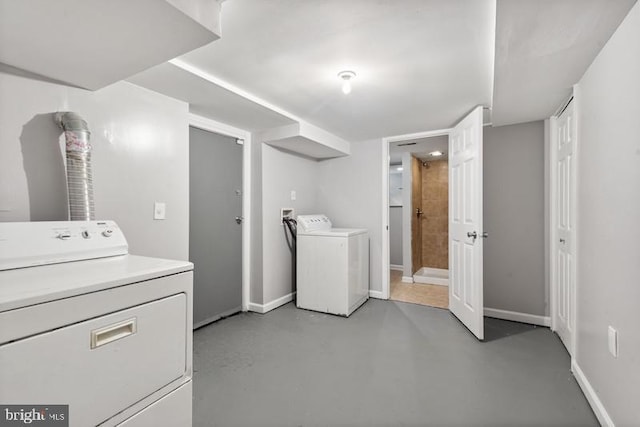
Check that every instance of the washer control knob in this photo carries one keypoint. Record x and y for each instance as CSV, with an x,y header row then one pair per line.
x,y
86,235
107,233
65,235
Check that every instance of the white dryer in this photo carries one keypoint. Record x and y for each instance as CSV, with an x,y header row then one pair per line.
x,y
85,324
332,266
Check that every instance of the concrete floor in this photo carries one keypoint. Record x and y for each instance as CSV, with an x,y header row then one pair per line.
x,y
389,364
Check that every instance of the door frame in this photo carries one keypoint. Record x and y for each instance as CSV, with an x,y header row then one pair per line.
x,y
210,125
386,263
553,212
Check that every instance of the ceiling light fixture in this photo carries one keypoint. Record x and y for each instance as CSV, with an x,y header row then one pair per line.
x,y
435,153
346,77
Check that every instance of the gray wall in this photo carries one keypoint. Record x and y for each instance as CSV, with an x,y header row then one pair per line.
x,y
281,173
514,272
608,238
351,195
140,155
395,235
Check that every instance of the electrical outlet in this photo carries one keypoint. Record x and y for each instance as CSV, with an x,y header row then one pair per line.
x,y
293,195
159,210
613,342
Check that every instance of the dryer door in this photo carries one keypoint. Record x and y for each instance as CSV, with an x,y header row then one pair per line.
x,y
101,366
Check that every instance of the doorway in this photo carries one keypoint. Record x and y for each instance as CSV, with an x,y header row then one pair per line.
x,y
466,299
418,211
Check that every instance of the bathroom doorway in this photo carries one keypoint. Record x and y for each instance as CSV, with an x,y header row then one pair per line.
x,y
419,221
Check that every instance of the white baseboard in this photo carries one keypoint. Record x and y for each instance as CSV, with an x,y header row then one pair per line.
x,y
407,279
376,294
518,317
217,317
396,267
265,308
596,405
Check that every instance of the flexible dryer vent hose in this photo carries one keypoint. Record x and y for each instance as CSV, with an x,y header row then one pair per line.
x,y
78,153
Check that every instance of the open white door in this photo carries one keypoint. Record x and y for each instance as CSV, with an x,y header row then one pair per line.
x,y
465,223
563,273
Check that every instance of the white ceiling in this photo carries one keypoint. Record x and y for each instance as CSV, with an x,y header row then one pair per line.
x,y
543,47
421,64
420,148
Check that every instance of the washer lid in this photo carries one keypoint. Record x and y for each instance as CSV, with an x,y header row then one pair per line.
x,y
336,232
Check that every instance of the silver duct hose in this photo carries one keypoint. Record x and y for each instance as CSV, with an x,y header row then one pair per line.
x,y
79,178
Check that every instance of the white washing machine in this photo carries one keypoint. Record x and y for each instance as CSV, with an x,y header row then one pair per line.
x,y
332,266
85,324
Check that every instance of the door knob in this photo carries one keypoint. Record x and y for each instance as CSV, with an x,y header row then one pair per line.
x,y
419,212
239,219
562,241
474,235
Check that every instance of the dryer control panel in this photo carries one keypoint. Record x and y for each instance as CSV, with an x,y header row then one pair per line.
x,y
27,244
317,222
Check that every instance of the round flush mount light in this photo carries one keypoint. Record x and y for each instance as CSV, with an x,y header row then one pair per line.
x,y
435,153
346,77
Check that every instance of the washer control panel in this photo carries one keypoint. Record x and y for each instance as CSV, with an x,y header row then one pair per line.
x,y
317,222
27,244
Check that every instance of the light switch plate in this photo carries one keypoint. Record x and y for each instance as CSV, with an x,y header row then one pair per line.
x,y
159,210
293,195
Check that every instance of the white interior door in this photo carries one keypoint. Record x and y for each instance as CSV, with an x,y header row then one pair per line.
x,y
465,223
564,245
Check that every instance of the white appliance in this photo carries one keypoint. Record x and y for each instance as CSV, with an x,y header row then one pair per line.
x,y
332,266
85,324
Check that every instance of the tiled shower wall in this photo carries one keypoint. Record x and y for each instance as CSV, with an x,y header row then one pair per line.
x,y
435,221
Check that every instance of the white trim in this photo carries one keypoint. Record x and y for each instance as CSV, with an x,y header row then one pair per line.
x,y
217,317
386,284
591,395
395,267
265,308
224,129
515,316
553,210
547,219
407,279
576,218
376,294
417,135
386,263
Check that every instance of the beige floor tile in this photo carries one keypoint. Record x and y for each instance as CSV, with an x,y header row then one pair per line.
x,y
418,293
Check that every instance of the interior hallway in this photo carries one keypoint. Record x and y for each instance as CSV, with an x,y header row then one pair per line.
x,y
418,293
389,364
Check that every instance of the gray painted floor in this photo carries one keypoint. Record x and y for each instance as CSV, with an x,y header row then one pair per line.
x,y
389,364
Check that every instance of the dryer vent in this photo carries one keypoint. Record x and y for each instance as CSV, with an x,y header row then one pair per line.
x,y
79,177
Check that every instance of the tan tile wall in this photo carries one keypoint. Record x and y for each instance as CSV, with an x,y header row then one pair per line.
x,y
435,221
